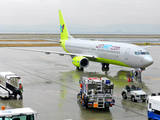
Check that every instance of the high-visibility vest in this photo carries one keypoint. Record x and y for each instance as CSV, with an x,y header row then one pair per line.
x,y
21,88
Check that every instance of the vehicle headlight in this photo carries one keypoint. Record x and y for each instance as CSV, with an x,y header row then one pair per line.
x,y
91,100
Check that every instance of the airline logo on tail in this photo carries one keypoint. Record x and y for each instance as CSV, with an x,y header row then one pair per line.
x,y
61,28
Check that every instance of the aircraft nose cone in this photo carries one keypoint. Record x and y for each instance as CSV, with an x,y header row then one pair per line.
x,y
148,60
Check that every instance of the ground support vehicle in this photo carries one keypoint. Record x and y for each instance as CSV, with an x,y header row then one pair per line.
x,y
96,93
153,108
18,114
9,85
134,93
152,94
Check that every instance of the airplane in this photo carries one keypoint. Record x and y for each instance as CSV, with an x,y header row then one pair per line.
x,y
83,51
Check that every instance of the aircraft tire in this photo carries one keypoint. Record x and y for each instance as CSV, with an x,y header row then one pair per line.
x,y
105,68
80,69
77,68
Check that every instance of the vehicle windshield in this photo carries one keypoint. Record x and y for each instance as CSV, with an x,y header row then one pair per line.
x,y
92,86
108,91
22,117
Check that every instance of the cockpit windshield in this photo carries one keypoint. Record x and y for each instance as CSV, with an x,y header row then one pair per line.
x,y
141,53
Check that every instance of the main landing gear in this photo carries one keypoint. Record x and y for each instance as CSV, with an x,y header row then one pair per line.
x,y
80,68
105,66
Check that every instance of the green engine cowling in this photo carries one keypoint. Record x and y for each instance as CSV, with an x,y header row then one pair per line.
x,y
80,61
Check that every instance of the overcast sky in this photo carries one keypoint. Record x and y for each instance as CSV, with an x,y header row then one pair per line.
x,y
83,12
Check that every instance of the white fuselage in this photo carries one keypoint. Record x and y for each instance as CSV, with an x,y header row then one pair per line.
x,y
111,52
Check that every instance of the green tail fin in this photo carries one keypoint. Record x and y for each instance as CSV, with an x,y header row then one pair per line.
x,y
63,28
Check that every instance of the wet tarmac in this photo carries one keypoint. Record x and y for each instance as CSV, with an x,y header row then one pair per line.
x,y
51,84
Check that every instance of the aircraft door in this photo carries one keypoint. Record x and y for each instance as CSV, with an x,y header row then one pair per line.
x,y
126,54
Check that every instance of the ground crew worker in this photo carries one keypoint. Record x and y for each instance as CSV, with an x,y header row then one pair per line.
x,y
132,75
129,80
80,89
20,87
82,100
21,90
80,85
139,75
18,91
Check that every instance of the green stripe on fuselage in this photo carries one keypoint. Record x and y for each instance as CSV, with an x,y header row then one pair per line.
x,y
109,61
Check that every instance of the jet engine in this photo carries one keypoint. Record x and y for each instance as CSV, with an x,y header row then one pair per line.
x,y
80,61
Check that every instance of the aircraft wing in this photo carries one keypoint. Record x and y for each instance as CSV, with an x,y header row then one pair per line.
x,y
54,52
52,40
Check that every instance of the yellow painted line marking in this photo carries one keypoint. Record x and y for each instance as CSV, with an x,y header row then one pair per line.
x,y
152,78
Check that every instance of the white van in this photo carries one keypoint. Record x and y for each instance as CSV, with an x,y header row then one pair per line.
x,y
18,114
153,108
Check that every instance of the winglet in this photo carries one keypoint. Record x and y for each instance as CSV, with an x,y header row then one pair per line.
x,y
63,27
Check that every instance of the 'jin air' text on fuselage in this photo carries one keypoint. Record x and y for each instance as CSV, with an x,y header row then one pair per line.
x,y
106,46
